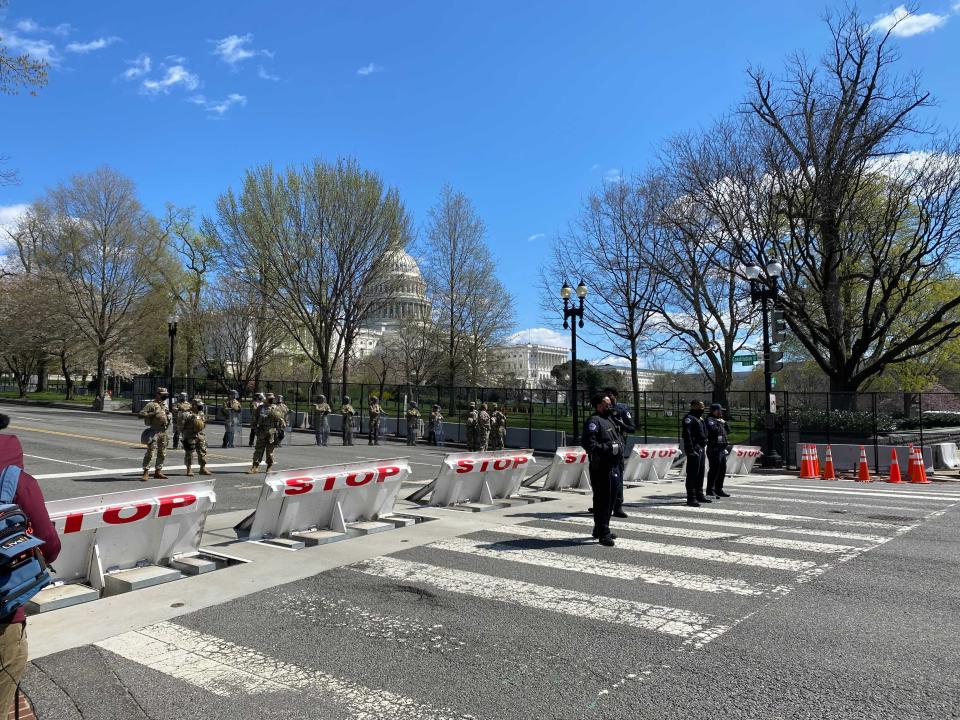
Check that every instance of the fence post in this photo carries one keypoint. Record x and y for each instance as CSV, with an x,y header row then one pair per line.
x,y
829,410
920,400
645,427
876,442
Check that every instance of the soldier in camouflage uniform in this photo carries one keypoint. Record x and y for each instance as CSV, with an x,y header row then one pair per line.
x,y
321,425
254,406
268,422
233,417
498,429
472,428
194,439
285,414
376,412
413,423
182,406
156,416
483,428
347,411
435,434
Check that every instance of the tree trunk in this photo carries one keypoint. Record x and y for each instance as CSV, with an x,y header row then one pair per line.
x,y
101,373
634,380
68,378
843,396
42,372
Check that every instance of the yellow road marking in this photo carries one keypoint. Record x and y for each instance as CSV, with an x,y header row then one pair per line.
x,y
109,441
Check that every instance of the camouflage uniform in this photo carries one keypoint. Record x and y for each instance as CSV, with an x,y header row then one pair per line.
x,y
413,423
435,433
483,428
194,439
254,406
183,406
156,416
233,416
321,426
472,428
376,412
269,421
285,414
498,429
347,411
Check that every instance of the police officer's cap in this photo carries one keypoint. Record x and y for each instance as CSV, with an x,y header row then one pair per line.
x,y
716,406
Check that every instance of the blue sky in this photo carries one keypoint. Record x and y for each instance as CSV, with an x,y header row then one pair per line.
x,y
525,107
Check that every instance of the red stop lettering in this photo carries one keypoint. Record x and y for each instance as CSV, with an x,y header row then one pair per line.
x,y
112,516
501,463
518,461
72,523
354,481
385,472
170,503
298,486
569,458
464,466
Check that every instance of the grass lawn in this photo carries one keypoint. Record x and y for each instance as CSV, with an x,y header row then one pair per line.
x,y
49,396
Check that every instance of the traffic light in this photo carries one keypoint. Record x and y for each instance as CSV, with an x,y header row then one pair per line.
x,y
776,360
779,329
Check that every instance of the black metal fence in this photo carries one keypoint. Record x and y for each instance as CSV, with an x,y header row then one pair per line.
x,y
869,418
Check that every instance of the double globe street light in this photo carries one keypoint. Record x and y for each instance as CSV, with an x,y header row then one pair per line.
x,y
572,310
764,289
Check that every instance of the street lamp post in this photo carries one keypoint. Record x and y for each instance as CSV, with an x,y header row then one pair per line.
x,y
764,290
172,332
574,311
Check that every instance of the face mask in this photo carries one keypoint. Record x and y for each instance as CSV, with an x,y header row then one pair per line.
x,y
698,413
607,411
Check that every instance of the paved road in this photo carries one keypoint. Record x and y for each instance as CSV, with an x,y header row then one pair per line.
x,y
800,600
77,453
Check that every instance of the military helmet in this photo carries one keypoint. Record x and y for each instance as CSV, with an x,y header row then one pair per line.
x,y
436,407
346,399
473,404
279,398
413,403
374,398
321,398
494,406
260,396
233,394
198,401
183,396
268,396
162,391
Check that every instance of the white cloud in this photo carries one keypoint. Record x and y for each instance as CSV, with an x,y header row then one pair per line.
x,y
369,69
37,48
594,167
176,75
219,107
539,336
32,26
263,74
98,44
536,236
9,214
138,68
613,175
235,49
902,23
615,360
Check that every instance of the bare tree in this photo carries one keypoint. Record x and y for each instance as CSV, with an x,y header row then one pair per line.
x,y
24,332
611,246
317,241
460,274
870,221
100,252
16,72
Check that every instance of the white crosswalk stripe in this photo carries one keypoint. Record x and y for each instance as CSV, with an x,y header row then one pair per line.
x,y
931,496
224,668
505,550
706,511
805,545
839,534
671,621
786,498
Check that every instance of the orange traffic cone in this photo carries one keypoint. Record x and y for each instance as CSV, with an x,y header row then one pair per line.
x,y
816,460
919,471
829,472
806,464
863,470
911,465
894,467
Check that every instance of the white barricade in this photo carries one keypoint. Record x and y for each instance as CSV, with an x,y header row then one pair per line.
x,y
650,462
946,456
326,497
742,458
480,477
118,531
570,468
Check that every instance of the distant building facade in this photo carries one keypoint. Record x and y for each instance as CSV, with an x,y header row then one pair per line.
x,y
530,363
645,378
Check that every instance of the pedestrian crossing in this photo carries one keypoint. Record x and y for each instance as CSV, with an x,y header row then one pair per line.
x,y
677,579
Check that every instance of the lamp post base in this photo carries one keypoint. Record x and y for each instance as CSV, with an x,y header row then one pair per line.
x,y
773,460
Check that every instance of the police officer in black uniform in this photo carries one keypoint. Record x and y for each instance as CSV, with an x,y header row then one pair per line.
x,y
602,442
623,421
718,447
694,446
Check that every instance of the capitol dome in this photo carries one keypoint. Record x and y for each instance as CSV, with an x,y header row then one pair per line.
x,y
403,291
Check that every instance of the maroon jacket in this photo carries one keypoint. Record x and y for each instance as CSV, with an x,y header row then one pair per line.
x,y
30,499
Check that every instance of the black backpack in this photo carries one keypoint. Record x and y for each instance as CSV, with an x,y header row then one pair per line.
x,y
23,571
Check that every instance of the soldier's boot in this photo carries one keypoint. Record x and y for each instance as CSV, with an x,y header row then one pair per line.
x,y
269,465
146,474
254,469
204,471
189,472
158,474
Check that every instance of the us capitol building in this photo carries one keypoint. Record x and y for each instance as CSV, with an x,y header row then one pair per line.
x,y
404,300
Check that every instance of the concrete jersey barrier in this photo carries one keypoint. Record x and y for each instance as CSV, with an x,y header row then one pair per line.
x,y
326,498
480,477
742,459
650,462
945,456
570,468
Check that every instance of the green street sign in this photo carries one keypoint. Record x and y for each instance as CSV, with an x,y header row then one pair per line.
x,y
773,381
745,359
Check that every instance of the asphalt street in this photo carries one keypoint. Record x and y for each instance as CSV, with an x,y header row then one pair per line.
x,y
791,599
76,453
